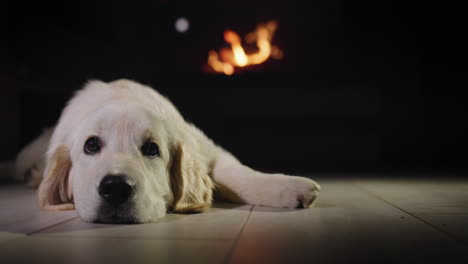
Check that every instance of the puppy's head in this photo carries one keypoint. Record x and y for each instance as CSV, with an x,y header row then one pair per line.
x,y
124,164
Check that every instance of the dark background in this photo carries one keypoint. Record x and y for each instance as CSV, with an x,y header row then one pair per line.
x,y
364,85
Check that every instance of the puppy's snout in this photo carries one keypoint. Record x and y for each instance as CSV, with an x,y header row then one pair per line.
x,y
116,189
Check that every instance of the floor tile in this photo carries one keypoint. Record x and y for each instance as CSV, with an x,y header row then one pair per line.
x,y
7,236
422,195
365,221
37,249
346,226
20,212
455,224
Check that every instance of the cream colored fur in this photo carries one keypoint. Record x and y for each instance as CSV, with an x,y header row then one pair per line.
x,y
123,113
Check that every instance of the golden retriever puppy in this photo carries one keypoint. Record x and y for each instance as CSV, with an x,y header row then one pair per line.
x,y
122,153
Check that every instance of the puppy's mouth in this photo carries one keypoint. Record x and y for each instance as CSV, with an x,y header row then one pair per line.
x,y
121,214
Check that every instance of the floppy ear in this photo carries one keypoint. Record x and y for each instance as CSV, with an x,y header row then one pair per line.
x,y
54,191
190,182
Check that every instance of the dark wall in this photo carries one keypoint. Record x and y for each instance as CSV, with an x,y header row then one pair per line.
x,y
9,106
364,86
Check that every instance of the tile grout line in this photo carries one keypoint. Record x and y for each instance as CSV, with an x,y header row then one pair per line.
x,y
228,256
445,213
130,238
449,235
45,228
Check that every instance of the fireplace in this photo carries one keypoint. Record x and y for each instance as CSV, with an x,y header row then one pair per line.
x,y
345,89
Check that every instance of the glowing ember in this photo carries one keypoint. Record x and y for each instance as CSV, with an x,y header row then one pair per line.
x,y
228,58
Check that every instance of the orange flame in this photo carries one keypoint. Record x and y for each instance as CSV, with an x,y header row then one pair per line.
x,y
227,59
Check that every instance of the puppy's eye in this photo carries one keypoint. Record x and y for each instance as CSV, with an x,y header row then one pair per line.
x,y
150,149
92,146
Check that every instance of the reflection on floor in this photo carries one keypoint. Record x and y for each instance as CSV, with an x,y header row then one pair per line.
x,y
375,220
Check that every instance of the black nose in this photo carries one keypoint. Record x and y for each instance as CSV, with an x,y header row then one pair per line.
x,y
116,189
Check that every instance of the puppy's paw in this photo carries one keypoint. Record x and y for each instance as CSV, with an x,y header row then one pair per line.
x,y
300,192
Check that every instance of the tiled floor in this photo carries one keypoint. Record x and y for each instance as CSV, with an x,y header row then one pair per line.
x,y
399,220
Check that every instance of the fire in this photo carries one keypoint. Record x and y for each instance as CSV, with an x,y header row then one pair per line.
x,y
228,58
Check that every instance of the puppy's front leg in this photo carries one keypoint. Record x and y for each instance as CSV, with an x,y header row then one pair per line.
x,y
239,183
